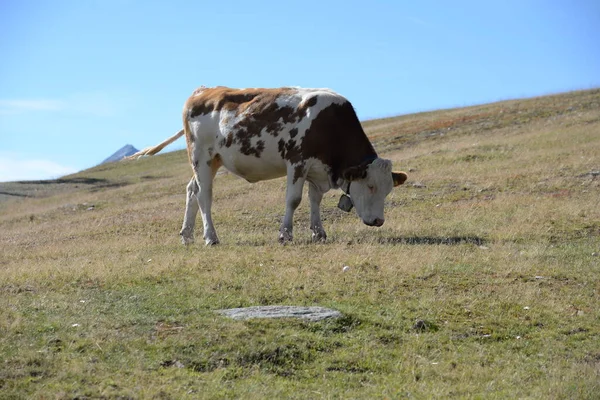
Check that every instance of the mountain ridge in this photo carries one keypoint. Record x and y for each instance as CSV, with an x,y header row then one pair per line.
x,y
123,152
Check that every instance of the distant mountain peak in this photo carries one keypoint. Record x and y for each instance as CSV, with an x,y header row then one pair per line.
x,y
123,152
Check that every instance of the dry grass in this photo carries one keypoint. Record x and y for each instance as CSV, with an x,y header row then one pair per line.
x,y
482,283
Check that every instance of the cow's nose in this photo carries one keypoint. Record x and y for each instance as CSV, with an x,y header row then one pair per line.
x,y
375,222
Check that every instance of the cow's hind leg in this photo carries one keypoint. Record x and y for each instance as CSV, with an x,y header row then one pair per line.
x,y
315,196
293,196
191,210
199,196
205,173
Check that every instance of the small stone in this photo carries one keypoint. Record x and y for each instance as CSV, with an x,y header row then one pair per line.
x,y
526,308
594,254
518,337
539,277
305,313
346,268
74,325
484,247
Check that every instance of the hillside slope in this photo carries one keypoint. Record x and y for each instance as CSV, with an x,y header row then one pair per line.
x,y
482,283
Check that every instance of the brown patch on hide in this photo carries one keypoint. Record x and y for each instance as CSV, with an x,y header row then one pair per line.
x,y
189,140
298,172
356,172
290,151
215,163
223,98
336,138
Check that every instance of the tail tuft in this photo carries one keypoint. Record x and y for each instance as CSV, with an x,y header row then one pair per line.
x,y
150,151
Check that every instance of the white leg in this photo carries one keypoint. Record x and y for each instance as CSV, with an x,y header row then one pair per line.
x,y
205,175
293,196
191,210
200,188
315,196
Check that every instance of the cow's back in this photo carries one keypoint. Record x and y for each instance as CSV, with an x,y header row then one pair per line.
x,y
256,133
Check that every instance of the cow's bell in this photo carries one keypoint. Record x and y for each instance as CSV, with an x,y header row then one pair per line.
x,y
345,203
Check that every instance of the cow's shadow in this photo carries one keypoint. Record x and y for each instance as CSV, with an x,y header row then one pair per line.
x,y
384,240
433,240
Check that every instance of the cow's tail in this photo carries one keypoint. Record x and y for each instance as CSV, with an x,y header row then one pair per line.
x,y
150,151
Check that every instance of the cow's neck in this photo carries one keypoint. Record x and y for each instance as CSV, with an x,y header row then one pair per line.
x,y
337,139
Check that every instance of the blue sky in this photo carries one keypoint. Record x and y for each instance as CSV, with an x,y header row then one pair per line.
x,y
80,79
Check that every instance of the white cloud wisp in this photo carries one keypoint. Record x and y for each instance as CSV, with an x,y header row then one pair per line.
x,y
17,106
17,169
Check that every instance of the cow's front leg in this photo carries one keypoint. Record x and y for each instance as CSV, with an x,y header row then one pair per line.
x,y
191,210
293,196
315,196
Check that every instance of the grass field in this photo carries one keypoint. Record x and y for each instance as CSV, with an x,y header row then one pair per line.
x,y
483,283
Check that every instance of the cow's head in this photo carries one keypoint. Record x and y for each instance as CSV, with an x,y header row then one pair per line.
x,y
369,184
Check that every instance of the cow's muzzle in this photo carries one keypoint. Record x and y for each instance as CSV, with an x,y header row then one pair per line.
x,y
376,222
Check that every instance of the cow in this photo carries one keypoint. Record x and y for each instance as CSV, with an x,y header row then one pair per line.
x,y
307,135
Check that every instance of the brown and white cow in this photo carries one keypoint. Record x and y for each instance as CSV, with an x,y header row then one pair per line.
x,y
308,135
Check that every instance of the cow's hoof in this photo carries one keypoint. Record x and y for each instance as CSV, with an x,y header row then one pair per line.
x,y
285,237
211,242
319,237
187,240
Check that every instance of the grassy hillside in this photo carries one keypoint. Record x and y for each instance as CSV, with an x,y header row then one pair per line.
x,y
484,281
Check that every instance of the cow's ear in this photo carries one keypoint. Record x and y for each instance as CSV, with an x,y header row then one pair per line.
x,y
399,178
355,173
